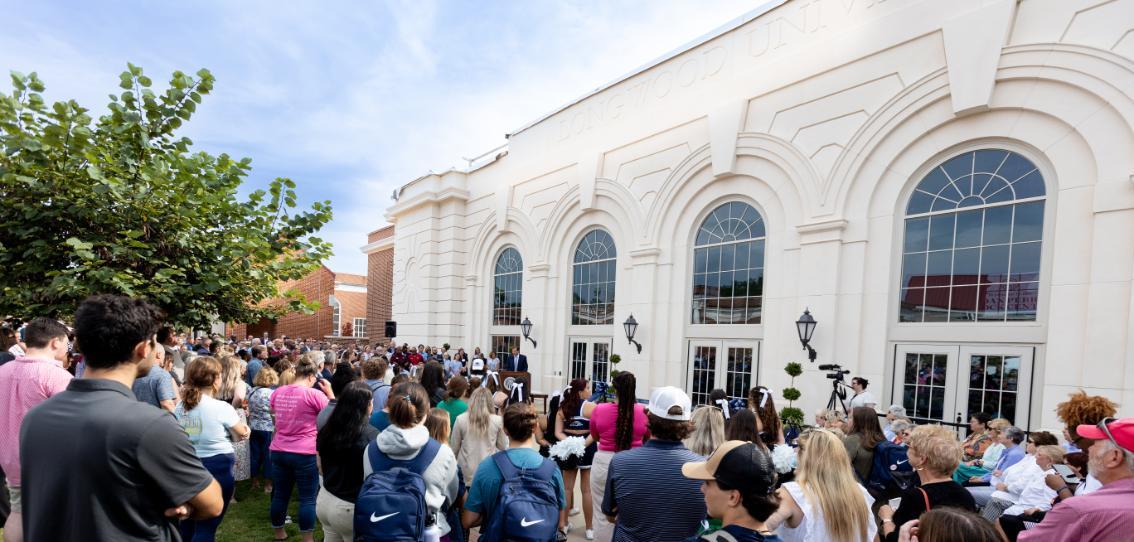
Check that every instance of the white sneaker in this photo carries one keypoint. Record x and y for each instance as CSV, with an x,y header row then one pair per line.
x,y
574,512
590,534
567,529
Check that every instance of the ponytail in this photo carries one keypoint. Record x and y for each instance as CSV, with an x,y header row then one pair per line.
x,y
624,386
202,373
409,408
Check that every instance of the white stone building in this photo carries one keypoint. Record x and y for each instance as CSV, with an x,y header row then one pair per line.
x,y
947,185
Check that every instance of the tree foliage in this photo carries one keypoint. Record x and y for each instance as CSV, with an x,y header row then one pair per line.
x,y
122,204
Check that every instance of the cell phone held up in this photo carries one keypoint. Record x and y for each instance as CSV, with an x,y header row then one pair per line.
x,y
1067,473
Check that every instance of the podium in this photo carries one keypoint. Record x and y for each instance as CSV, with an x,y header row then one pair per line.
x,y
522,377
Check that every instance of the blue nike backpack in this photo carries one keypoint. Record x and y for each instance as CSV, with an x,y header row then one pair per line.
x,y
891,472
391,504
527,509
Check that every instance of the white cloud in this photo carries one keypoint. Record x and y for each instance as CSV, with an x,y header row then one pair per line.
x,y
354,100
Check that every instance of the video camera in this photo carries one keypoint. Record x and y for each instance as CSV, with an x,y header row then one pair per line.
x,y
837,372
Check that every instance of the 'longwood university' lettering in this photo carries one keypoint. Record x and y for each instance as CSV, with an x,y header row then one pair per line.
x,y
760,41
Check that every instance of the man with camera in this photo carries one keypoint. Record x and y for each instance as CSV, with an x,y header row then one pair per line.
x,y
861,397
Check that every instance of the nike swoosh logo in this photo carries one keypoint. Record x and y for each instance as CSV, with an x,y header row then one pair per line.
x,y
525,523
376,519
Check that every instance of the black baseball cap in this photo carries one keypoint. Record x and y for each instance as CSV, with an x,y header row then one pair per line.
x,y
737,464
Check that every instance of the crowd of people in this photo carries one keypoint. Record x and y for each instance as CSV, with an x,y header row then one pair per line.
x,y
122,429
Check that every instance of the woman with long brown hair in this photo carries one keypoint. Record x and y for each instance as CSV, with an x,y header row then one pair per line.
x,y
209,422
863,434
768,423
573,419
616,427
825,502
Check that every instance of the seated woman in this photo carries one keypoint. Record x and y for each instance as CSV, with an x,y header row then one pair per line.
x,y
935,453
984,465
1027,493
979,438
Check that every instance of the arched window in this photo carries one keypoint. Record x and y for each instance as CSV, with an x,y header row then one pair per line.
x,y
973,231
592,291
728,266
507,291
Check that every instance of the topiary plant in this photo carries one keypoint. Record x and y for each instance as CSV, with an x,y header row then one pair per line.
x,y
614,359
791,416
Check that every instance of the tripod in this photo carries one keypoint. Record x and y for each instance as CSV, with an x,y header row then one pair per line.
x,y
838,395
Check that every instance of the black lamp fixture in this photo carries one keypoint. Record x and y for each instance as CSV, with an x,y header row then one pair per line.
x,y
631,327
806,327
526,329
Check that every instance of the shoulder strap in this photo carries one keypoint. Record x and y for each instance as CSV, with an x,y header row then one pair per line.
x,y
381,462
546,470
420,463
507,469
925,496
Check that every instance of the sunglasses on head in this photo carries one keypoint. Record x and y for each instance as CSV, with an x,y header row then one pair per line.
x,y
1106,431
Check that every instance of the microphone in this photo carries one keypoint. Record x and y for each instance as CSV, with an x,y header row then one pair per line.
x,y
829,367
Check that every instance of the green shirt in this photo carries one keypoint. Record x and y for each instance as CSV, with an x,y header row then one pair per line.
x,y
455,407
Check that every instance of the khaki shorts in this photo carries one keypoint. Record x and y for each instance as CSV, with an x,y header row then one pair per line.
x,y
14,499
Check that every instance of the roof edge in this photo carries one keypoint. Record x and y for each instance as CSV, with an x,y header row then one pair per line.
x,y
696,42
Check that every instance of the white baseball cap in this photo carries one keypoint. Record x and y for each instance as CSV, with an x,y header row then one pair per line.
x,y
663,399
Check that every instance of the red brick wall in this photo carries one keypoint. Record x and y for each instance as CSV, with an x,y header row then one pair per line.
x,y
318,287
353,306
379,285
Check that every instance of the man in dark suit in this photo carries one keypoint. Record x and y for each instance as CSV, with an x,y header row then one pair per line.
x,y
516,362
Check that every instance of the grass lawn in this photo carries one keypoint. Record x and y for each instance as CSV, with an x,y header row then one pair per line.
x,y
247,519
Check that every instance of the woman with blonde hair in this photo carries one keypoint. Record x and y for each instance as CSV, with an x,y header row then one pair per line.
x,y
825,502
233,390
984,465
477,433
934,453
708,431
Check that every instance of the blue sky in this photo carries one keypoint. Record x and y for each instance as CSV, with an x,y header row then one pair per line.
x,y
353,99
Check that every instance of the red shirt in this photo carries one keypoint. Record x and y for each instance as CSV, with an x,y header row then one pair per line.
x,y
415,358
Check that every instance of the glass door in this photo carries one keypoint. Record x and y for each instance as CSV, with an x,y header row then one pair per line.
x,y
949,383
729,365
589,358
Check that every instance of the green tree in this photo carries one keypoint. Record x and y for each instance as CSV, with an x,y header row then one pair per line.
x,y
125,205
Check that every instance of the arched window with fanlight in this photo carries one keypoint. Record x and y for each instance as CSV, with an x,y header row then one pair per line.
x,y
728,266
973,238
507,291
593,273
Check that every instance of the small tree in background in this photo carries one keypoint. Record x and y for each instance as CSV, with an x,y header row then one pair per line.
x,y
614,359
124,205
791,416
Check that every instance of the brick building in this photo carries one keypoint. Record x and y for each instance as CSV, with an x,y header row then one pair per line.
x,y
379,252
342,312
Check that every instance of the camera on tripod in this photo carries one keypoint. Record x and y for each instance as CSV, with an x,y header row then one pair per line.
x,y
837,372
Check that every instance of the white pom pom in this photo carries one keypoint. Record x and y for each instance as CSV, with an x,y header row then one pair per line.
x,y
784,458
570,446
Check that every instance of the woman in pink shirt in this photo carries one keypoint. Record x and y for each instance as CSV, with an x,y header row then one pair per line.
x,y
617,427
296,407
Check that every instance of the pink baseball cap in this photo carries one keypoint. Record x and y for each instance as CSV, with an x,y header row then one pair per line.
x,y
1121,432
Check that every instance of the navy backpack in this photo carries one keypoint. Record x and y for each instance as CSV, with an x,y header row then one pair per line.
x,y
527,509
891,471
391,504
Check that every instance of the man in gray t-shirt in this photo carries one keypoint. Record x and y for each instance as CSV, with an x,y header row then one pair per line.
x,y
156,388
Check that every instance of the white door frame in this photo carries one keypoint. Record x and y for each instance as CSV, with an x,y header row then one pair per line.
x,y
720,366
952,398
589,356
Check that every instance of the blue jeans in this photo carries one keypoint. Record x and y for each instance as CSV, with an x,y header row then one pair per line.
x,y
259,454
220,466
294,469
